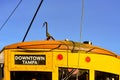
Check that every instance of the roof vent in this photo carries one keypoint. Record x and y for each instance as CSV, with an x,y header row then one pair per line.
x,y
87,42
66,39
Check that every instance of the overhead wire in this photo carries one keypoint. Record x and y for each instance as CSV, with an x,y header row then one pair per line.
x,y
32,20
81,25
10,15
82,16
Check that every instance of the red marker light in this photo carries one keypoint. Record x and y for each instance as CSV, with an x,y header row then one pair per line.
x,y
87,59
59,56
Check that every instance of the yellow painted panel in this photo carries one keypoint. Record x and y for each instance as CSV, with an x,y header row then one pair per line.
x,y
91,75
6,66
79,60
73,59
100,62
60,62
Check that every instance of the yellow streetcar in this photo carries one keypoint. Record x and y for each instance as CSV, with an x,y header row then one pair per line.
x,y
58,60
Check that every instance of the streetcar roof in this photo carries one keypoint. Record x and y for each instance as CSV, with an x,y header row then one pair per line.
x,y
60,44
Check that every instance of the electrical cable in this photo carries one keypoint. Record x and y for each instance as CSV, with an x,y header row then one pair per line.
x,y
81,25
81,20
10,15
32,20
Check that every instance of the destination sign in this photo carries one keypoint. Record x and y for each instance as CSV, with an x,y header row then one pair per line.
x,y
30,59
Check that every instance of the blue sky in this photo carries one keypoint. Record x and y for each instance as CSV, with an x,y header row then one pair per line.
x,y
101,23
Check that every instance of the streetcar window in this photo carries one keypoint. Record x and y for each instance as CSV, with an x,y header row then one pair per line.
x,y
73,74
105,76
29,75
1,71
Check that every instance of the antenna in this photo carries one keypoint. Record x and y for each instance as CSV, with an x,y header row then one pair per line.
x,y
81,20
32,20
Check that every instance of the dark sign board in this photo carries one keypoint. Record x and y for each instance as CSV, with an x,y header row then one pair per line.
x,y
30,59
